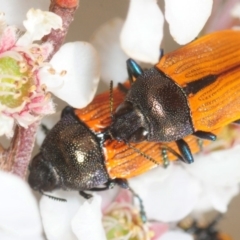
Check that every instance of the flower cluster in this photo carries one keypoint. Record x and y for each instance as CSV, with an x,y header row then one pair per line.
x,y
29,72
28,77
23,97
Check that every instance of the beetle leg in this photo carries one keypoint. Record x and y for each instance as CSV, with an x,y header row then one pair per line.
x,y
133,69
236,122
123,183
122,88
185,151
200,143
110,184
85,195
66,111
205,135
165,158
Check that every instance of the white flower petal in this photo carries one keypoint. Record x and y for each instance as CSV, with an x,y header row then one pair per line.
x,y
19,218
236,11
87,223
6,125
186,18
25,119
204,203
143,31
221,197
108,196
215,198
57,216
73,219
38,24
80,62
106,40
173,197
15,10
176,235
220,168
3,23
8,39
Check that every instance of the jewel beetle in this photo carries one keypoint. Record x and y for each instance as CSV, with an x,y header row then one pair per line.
x,y
204,231
77,154
193,90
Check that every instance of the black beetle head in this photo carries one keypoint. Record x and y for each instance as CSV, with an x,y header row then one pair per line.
x,y
155,109
129,124
42,176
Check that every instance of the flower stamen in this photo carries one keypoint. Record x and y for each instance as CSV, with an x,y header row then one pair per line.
x,y
52,71
63,73
32,88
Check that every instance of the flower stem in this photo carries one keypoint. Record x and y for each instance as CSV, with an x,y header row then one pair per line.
x,y
24,149
16,158
65,9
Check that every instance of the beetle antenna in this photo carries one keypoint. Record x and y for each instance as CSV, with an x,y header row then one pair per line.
x,y
142,154
143,214
165,147
52,197
111,98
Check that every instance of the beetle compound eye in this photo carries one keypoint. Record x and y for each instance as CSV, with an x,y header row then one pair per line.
x,y
123,109
140,135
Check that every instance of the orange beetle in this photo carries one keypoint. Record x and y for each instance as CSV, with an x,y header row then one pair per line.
x,y
193,90
76,155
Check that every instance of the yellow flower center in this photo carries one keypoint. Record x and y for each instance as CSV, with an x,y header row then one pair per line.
x,y
16,81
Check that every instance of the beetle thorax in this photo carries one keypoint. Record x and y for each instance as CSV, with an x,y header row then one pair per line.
x,y
163,104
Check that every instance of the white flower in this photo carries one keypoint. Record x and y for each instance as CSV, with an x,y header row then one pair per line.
x,y
217,174
187,18
208,184
142,32
236,11
19,218
37,25
140,36
74,74
27,77
75,219
6,125
176,235
22,96
171,191
106,40
15,10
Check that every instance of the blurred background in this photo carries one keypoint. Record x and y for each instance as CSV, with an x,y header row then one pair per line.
x,y
90,15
